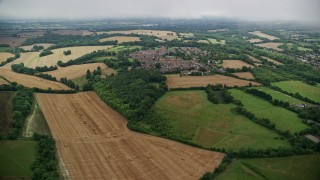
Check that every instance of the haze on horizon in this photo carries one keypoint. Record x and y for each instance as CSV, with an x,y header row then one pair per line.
x,y
261,10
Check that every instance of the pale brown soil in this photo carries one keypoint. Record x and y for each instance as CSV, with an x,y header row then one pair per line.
x,y
4,56
256,40
271,45
267,36
175,81
12,41
94,143
158,33
272,60
235,64
2,81
254,59
244,75
72,32
75,71
28,48
31,81
121,39
186,35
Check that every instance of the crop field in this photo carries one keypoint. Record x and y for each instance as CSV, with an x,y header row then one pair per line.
x,y
283,118
168,35
271,45
272,60
260,34
31,81
16,158
254,59
12,41
32,59
215,41
305,90
280,96
175,81
4,56
208,124
75,71
121,39
72,32
6,111
235,64
31,34
3,81
186,35
94,143
28,48
255,40
203,41
274,168
244,75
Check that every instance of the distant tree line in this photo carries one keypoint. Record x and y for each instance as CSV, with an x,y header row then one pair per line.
x,y
20,68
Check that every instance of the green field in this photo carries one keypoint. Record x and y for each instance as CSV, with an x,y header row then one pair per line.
x,y
215,41
208,124
122,48
5,111
293,168
305,90
283,118
16,158
280,96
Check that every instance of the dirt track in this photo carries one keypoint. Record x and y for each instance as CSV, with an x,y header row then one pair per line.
x,y
175,81
94,143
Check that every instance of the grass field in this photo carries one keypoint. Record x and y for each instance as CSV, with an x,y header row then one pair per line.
x,y
5,111
293,168
121,39
207,124
272,60
122,48
215,41
305,90
16,158
280,96
284,119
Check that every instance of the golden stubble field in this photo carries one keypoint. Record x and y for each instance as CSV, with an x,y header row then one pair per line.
x,y
93,142
260,34
244,75
235,64
175,81
271,45
4,56
32,59
121,39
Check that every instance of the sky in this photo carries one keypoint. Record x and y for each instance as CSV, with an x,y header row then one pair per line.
x,y
265,10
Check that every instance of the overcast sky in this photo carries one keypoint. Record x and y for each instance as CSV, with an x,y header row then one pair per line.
x,y
306,10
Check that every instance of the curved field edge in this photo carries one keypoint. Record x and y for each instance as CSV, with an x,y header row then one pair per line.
x,y
84,127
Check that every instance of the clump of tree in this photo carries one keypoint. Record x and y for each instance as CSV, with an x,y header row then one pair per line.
x,y
37,48
45,53
20,68
66,53
85,58
69,83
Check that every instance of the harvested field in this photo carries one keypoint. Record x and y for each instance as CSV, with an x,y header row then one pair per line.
x,y
217,30
257,64
260,34
31,81
256,40
32,59
271,45
121,39
203,41
186,35
28,48
73,32
4,56
254,59
3,81
75,71
12,41
272,60
244,75
235,64
175,81
168,35
94,143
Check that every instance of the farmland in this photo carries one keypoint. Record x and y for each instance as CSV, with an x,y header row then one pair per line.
x,y
254,59
272,60
255,40
72,32
16,158
244,75
235,64
207,124
75,71
84,127
4,56
32,59
284,119
12,41
31,81
6,111
29,48
175,81
121,39
3,81
263,35
215,41
274,168
305,90
271,45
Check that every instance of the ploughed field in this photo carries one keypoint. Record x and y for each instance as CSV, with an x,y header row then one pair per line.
x,y
175,81
94,143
